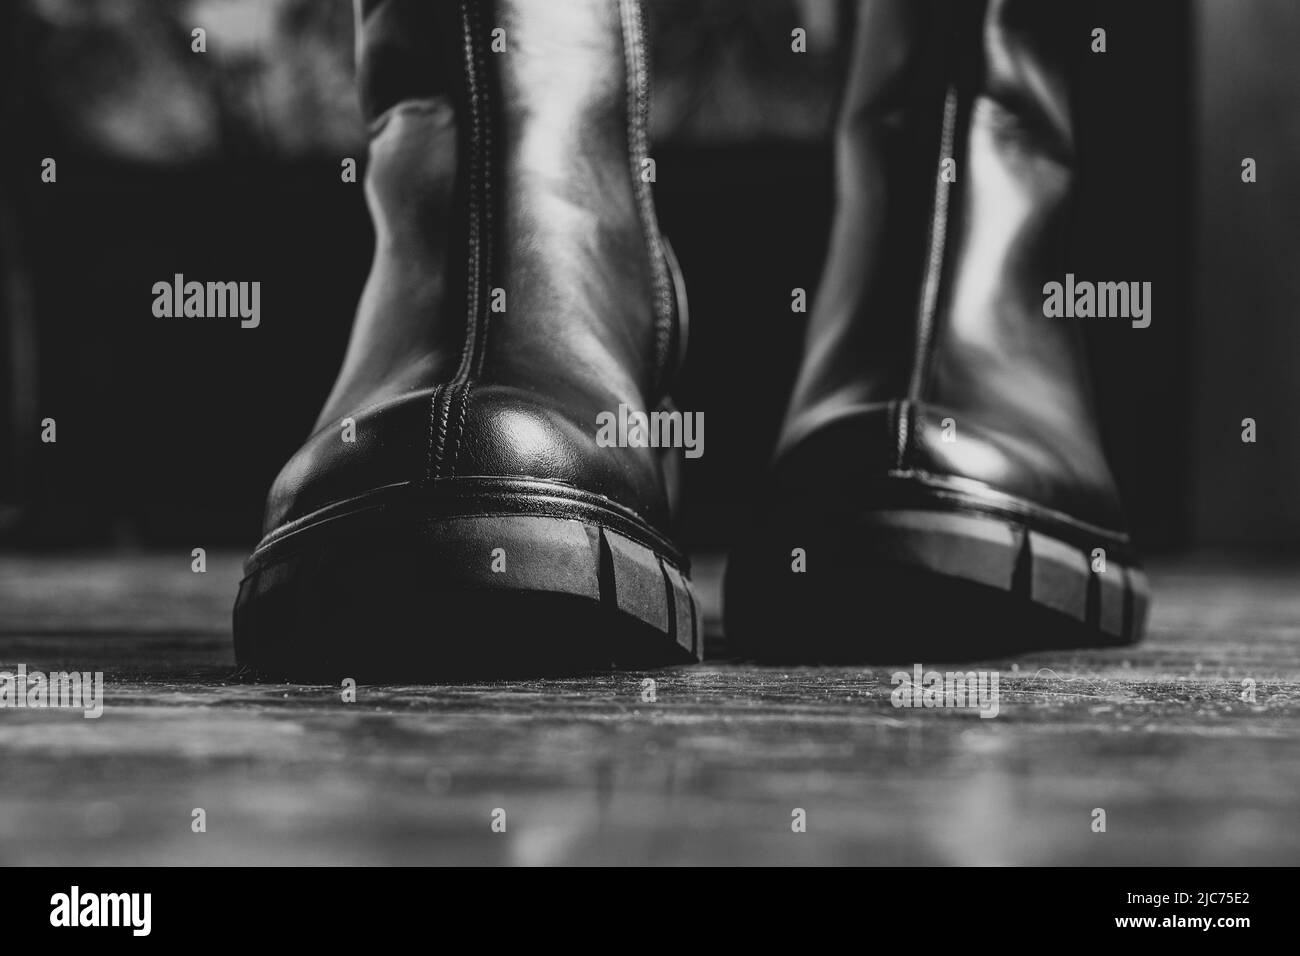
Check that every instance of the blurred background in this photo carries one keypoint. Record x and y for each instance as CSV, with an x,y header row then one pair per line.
x,y
226,165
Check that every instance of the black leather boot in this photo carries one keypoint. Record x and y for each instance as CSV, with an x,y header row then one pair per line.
x,y
453,513
939,486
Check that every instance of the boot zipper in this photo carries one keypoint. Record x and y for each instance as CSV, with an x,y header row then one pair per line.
x,y
480,193
933,277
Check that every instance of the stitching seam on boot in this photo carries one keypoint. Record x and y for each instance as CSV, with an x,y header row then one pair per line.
x,y
478,245
938,241
632,20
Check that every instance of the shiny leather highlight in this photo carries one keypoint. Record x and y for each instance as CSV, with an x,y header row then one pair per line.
x,y
518,284
886,376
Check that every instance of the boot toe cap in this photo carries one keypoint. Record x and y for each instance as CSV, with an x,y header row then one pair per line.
x,y
502,433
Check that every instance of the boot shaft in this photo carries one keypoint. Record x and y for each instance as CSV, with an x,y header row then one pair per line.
x,y
508,183
955,162
519,288
929,350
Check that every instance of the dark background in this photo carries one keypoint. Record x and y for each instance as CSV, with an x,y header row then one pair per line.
x,y
225,165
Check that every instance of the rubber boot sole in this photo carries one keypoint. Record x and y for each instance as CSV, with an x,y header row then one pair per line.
x,y
927,583
471,580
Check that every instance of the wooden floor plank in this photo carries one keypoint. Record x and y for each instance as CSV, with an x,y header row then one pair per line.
x,y
1158,736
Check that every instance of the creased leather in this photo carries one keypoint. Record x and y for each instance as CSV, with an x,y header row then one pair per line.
x,y
568,247
1012,381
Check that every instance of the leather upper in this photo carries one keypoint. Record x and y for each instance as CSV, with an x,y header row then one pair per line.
x,y
517,288
930,308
